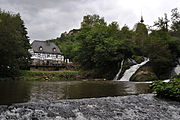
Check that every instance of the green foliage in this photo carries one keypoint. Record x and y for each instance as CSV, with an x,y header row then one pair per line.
x,y
161,48
92,20
14,45
162,23
102,47
160,55
174,46
97,46
168,90
69,49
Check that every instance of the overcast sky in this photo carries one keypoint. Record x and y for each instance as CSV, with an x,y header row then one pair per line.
x,y
47,19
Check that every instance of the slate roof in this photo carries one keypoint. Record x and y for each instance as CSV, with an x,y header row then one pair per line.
x,y
47,47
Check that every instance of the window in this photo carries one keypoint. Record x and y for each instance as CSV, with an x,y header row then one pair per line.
x,y
54,49
40,48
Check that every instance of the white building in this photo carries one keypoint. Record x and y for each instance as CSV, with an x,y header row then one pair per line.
x,y
45,53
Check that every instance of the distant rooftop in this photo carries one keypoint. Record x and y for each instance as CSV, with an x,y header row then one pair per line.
x,y
45,47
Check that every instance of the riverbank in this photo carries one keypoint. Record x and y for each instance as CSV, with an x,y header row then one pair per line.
x,y
140,107
50,75
63,75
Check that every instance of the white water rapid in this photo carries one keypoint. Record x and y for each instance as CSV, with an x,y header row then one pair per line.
x,y
116,78
129,72
177,68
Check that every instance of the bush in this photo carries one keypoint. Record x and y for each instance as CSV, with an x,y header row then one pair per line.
x,y
169,90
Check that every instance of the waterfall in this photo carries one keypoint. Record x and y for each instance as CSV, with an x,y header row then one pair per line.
x,y
177,68
129,72
117,75
132,61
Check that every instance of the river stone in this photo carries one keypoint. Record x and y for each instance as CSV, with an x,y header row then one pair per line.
x,y
145,73
135,107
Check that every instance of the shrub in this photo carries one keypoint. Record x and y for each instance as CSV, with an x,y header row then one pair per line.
x,y
167,90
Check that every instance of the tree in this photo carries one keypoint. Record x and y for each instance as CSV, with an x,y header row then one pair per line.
x,y
159,53
102,47
140,38
174,46
174,40
14,44
175,27
92,20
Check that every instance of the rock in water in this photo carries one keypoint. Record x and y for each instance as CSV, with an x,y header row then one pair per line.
x,y
140,107
143,74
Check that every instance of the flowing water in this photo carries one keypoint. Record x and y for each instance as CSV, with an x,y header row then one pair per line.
x,y
117,76
28,91
129,72
177,68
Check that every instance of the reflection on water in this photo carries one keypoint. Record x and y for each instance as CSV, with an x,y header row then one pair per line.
x,y
24,91
14,92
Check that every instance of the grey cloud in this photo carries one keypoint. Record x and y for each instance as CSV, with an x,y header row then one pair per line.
x,y
46,19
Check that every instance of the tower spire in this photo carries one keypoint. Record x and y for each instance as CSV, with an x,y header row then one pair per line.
x,y
142,20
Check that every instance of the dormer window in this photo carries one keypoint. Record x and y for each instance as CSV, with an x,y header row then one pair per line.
x,y
40,48
54,49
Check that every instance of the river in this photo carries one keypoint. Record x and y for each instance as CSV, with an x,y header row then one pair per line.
x,y
83,100
12,92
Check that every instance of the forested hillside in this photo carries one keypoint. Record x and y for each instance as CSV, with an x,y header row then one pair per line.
x,y
99,47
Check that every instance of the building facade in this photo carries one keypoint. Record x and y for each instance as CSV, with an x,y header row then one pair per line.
x,y
46,56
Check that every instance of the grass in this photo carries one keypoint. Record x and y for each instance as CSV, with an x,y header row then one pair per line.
x,y
50,75
5,79
25,72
